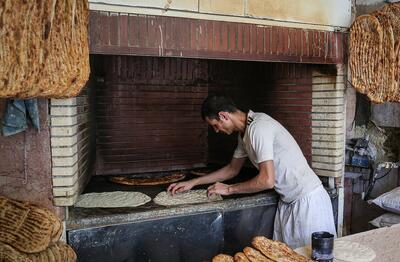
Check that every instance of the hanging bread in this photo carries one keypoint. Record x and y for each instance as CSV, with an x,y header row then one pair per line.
x,y
374,54
366,38
44,48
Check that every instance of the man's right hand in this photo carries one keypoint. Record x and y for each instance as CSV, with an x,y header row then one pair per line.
x,y
180,187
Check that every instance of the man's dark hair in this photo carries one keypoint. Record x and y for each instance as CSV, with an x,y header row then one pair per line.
x,y
216,103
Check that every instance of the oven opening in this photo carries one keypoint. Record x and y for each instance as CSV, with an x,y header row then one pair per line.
x,y
147,111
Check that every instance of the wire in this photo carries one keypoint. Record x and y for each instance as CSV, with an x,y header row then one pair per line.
x,y
372,183
387,173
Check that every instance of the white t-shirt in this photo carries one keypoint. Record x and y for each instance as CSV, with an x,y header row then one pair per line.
x,y
266,139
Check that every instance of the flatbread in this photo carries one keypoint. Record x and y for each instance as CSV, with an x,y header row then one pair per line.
x,y
188,197
352,252
222,258
240,257
147,181
255,255
112,199
277,251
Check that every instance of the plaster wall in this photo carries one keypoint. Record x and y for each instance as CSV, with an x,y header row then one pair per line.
x,y
306,13
25,163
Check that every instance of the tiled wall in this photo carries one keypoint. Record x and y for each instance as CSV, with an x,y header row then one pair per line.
x,y
70,147
328,122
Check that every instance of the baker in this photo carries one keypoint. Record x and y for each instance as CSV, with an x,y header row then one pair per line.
x,y
304,206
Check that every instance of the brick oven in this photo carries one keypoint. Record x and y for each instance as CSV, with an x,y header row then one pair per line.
x,y
150,74
151,71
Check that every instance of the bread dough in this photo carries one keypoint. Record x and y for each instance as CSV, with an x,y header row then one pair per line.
x,y
188,197
304,251
352,252
112,199
344,251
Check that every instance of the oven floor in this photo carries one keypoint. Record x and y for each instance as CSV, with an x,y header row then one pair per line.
x,y
102,183
181,233
88,217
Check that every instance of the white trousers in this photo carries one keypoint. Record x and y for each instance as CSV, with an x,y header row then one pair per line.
x,y
296,221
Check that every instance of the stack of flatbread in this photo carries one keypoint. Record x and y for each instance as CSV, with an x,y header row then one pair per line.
x,y
264,250
58,251
30,233
374,56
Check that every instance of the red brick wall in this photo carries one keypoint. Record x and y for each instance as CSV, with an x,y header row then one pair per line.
x,y
148,114
148,109
123,34
281,90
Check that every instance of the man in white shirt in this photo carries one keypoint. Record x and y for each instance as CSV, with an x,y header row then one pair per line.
x,y
304,205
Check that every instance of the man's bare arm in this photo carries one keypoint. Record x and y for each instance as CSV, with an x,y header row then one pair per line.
x,y
225,173
264,180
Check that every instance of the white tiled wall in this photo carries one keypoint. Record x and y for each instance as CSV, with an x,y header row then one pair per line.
x,y
69,148
328,123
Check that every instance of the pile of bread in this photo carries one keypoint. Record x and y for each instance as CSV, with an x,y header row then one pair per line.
x,y
374,56
264,250
30,233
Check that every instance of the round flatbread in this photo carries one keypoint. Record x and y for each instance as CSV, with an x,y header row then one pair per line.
x,y
112,199
352,252
188,197
147,181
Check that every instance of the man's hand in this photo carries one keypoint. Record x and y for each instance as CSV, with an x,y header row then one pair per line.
x,y
180,187
218,188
